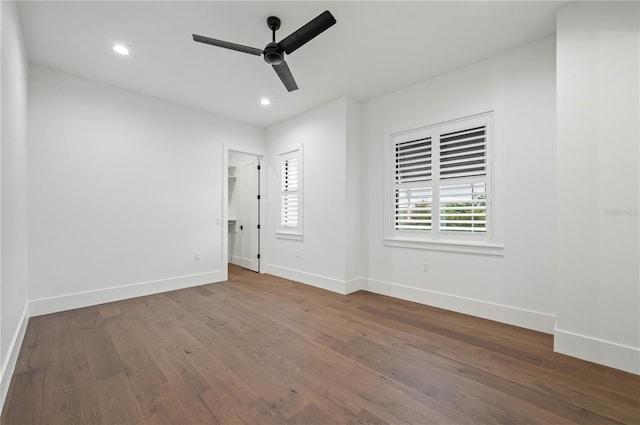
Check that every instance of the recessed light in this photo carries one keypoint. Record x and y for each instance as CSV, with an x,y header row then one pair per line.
x,y
265,101
120,49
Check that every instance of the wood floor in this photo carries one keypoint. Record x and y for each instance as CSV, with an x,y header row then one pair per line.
x,y
263,350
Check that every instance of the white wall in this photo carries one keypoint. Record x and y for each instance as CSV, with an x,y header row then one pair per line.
x,y
598,281
515,288
354,212
123,190
320,258
13,200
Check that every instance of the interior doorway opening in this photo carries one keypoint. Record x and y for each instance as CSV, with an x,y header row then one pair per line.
x,y
244,210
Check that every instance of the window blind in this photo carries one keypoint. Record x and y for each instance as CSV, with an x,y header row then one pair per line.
x,y
413,208
463,208
463,153
289,201
413,161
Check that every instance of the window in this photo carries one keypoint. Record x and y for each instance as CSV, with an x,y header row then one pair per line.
x,y
439,181
290,195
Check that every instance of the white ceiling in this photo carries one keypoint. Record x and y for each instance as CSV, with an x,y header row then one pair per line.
x,y
375,47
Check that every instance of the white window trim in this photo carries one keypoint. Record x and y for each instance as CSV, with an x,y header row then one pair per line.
x,y
289,232
448,246
436,240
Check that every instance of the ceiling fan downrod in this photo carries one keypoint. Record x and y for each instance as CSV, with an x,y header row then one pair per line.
x,y
273,54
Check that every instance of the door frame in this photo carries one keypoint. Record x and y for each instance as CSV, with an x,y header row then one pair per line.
x,y
225,206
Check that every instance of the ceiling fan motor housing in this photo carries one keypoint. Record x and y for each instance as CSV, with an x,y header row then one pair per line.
x,y
273,54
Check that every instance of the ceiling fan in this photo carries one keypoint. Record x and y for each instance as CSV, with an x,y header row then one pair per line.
x,y
274,52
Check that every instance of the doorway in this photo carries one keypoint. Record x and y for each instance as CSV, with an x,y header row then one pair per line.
x,y
244,210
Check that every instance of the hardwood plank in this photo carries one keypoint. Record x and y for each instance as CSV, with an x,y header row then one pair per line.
x,y
273,338
118,404
221,407
166,404
103,358
262,349
26,398
69,354
439,383
139,366
267,330
110,310
84,399
365,417
293,379
311,415
176,379
267,413
172,364
330,367
243,361
38,342
73,395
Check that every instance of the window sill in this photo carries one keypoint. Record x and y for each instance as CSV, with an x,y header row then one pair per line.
x,y
289,235
448,246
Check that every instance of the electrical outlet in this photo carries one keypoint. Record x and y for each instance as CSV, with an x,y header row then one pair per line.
x,y
196,256
297,254
425,267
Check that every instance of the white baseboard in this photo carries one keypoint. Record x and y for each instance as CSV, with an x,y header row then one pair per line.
x,y
235,259
41,306
542,322
353,285
597,350
9,364
323,282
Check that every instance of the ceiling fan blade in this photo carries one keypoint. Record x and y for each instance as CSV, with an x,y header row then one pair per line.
x,y
227,45
307,32
285,75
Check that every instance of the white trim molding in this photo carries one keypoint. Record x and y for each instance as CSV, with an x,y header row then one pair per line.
x,y
281,234
354,285
9,363
597,350
447,246
535,320
319,281
42,306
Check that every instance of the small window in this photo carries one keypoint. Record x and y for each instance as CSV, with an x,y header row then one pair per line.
x,y
440,182
290,195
